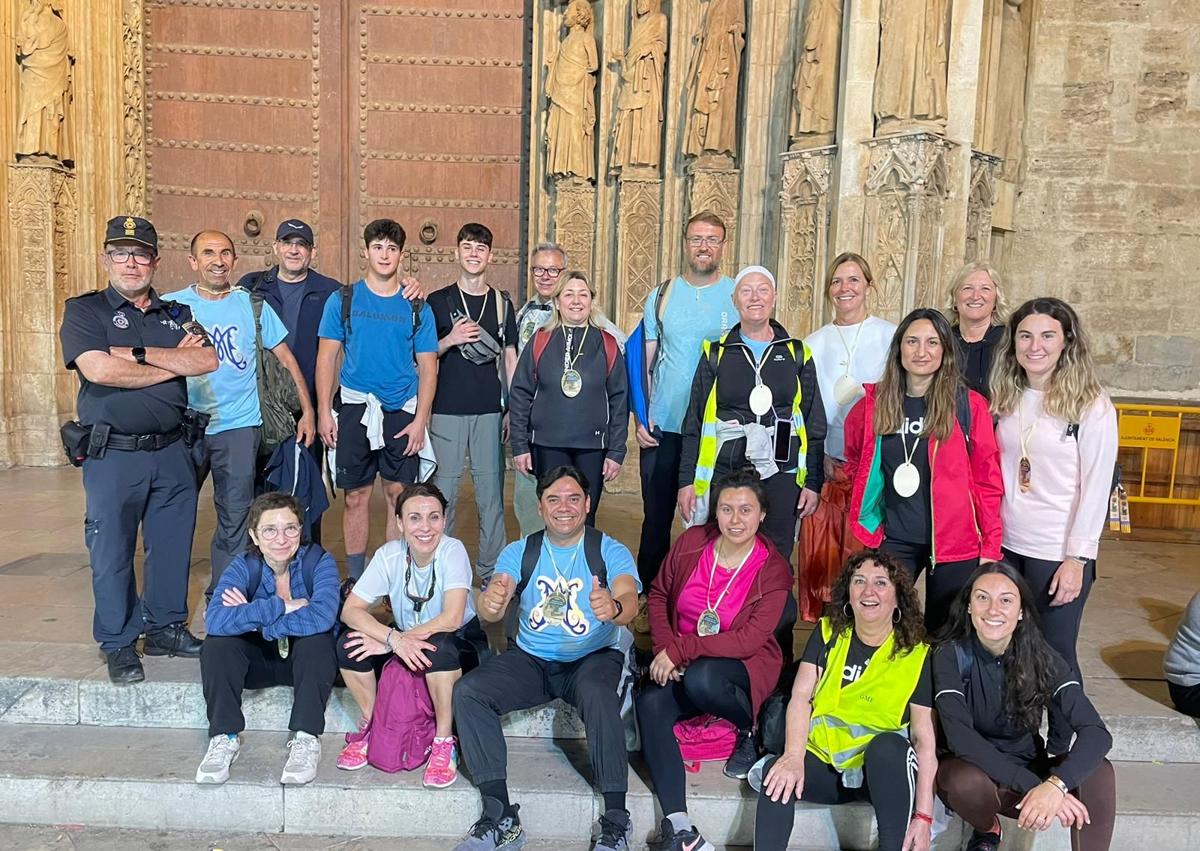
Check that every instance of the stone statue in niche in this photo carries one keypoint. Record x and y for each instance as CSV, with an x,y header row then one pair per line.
x,y
814,87
570,85
638,136
1010,91
44,88
914,57
712,118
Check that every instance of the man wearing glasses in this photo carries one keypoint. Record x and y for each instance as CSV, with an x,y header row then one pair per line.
x,y
133,352
698,306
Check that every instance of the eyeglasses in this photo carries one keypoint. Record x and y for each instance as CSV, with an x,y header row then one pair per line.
x,y
709,241
270,533
547,271
122,255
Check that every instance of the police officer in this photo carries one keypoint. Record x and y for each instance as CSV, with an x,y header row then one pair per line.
x,y
133,351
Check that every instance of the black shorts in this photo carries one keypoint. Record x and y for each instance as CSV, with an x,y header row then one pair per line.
x,y
455,651
357,463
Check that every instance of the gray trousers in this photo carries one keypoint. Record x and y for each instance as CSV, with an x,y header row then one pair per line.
x,y
230,456
477,437
525,504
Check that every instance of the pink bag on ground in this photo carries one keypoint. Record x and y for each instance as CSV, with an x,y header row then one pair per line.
x,y
705,738
402,727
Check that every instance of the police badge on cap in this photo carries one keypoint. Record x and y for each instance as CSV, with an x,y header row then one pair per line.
x,y
132,229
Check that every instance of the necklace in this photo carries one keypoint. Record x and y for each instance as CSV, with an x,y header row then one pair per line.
x,y
554,609
467,310
218,293
761,397
572,381
906,480
846,389
709,622
1024,468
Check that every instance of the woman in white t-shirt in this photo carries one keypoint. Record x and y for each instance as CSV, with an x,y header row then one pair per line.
x,y
427,577
848,352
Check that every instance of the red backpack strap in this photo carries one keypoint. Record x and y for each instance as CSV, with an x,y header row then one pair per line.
x,y
541,339
611,350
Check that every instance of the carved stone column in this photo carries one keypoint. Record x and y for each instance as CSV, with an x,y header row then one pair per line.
x,y
803,252
716,189
40,275
904,228
980,203
575,220
639,219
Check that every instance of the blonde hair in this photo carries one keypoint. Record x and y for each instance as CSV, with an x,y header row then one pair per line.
x,y
999,311
1073,385
943,392
848,257
565,278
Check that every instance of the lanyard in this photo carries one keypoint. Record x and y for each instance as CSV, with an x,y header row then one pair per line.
x,y
711,576
569,335
418,602
757,365
554,564
467,310
851,349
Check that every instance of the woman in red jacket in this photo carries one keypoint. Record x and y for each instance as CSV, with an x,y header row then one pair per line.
x,y
922,457
714,608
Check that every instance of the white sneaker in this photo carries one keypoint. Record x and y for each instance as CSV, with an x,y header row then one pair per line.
x,y
302,761
222,751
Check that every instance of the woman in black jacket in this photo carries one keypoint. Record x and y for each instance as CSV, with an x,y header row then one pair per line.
x,y
977,310
994,676
569,401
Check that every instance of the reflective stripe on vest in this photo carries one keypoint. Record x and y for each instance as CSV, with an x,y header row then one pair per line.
x,y
707,458
846,718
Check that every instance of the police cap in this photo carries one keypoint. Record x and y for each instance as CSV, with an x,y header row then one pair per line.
x,y
132,229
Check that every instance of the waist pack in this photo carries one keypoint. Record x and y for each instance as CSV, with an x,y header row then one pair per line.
x,y
705,738
402,727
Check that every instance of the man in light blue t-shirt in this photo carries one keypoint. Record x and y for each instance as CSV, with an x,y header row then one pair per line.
x,y
230,395
580,592
698,307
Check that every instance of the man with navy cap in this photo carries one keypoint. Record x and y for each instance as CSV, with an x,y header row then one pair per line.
x,y
133,352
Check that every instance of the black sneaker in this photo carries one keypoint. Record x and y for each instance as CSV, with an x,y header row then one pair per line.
x,y
981,841
498,829
614,831
173,640
745,754
125,666
684,840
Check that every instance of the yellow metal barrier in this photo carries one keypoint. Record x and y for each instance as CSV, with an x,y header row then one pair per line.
x,y
1158,431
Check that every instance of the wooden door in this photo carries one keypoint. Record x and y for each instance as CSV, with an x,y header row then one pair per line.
x,y
336,112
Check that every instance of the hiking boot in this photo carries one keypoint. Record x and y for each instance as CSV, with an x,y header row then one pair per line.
x,y
222,750
303,757
614,831
669,839
442,768
498,829
125,666
981,841
745,754
173,640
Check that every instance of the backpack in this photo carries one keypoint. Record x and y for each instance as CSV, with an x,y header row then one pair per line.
x,y
638,367
278,398
592,538
541,339
1118,487
308,566
705,738
403,726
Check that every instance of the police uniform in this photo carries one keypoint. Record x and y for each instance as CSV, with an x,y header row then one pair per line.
x,y
143,474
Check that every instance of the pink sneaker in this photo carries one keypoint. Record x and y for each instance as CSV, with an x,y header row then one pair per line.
x,y
442,768
354,755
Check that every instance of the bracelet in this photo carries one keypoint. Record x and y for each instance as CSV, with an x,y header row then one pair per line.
x,y
387,641
925,817
1058,783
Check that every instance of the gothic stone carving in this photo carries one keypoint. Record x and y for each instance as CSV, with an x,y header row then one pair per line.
x,y
44,88
571,87
716,190
639,214
980,201
133,83
914,58
638,135
712,123
804,201
906,186
1010,90
575,221
814,86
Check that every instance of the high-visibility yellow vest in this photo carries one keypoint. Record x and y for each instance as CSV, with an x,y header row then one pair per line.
x,y
706,460
846,718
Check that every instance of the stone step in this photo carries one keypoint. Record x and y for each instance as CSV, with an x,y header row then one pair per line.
x,y
143,779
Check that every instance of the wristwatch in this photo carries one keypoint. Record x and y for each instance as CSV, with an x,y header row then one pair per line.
x,y
139,354
620,608
1081,559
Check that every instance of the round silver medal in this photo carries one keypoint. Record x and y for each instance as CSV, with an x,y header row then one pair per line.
x,y
571,383
709,623
761,399
846,390
906,480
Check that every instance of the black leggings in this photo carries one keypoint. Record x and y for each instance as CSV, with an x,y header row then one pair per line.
x,y
890,770
453,651
719,687
590,462
942,583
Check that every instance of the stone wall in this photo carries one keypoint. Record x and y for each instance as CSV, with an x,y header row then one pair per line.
x,y
1108,215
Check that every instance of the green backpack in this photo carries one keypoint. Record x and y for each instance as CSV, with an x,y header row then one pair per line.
x,y
278,400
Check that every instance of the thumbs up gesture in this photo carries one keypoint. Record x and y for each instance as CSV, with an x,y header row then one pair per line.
x,y
601,602
499,591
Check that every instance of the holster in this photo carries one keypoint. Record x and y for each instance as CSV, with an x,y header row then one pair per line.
x,y
194,424
98,440
75,438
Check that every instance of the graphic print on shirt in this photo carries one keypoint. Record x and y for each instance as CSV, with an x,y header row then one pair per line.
x,y
224,340
559,606
912,427
852,672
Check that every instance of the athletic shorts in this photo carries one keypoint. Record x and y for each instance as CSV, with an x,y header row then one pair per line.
x,y
357,463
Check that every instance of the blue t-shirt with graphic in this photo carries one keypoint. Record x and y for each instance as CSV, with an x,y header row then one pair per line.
x,y
380,356
230,395
579,633
692,315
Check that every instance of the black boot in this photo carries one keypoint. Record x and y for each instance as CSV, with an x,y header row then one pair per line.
x,y
173,640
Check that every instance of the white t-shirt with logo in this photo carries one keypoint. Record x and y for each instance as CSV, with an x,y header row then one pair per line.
x,y
385,576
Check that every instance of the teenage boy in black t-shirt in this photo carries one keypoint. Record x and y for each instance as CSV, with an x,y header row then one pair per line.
x,y
477,353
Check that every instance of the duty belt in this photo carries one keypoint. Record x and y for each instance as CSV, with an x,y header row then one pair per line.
x,y
143,442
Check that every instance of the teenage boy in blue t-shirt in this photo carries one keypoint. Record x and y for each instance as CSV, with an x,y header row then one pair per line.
x,y
230,395
567,647
388,376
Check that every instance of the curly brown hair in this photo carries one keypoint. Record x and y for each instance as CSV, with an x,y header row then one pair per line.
x,y
910,631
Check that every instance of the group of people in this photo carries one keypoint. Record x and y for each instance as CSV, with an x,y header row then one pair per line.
x,y
969,444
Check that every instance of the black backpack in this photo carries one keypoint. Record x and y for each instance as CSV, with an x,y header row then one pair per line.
x,y
592,538
348,296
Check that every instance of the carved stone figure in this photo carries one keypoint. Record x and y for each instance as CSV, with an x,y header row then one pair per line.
x,y
712,119
1010,91
570,85
45,83
914,56
640,106
814,86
